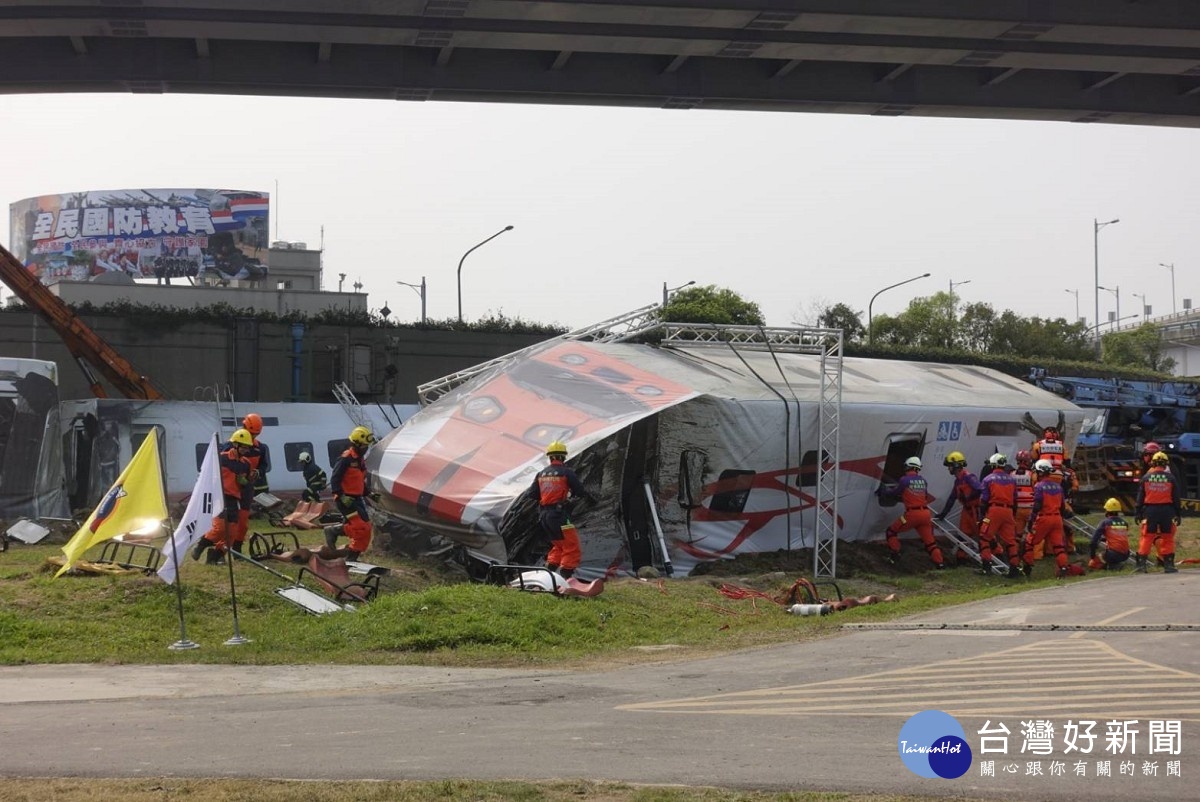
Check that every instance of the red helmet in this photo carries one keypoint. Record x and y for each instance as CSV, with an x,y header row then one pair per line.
x,y
1025,459
1151,448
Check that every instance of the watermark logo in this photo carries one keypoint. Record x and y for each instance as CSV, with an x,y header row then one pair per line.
x,y
933,744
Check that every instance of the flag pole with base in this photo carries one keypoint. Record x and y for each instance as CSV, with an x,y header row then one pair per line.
x,y
238,639
184,643
196,516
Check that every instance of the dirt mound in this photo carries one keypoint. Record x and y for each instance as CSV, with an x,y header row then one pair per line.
x,y
852,559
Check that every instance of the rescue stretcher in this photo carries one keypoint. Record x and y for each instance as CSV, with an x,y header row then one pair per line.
x,y
540,579
333,577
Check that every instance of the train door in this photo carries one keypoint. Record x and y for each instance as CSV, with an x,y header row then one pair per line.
x,y
898,448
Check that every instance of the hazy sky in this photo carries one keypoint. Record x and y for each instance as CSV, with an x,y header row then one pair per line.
x,y
789,210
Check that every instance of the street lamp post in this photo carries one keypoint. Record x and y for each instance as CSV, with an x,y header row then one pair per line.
x,y
1116,291
419,290
668,293
1096,226
954,284
1076,294
1171,267
1145,309
870,317
464,258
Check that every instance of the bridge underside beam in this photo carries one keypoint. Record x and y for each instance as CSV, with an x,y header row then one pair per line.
x,y
362,71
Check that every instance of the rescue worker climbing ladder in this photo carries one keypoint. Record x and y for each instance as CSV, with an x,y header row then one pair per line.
x,y
966,490
913,491
999,500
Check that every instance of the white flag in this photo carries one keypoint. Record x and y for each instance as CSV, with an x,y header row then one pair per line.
x,y
197,518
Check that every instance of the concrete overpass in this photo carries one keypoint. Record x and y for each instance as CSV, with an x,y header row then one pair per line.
x,y
1180,333
1113,61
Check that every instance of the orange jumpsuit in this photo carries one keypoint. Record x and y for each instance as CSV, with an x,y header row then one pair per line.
x,y
913,491
349,484
1025,480
1051,450
238,490
966,490
554,485
1159,508
1114,531
1047,524
999,499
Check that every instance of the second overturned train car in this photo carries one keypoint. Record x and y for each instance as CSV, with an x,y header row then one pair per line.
x,y
712,446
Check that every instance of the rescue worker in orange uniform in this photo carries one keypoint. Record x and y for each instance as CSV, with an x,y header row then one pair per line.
x,y
913,491
999,502
1025,479
1113,532
260,457
260,461
1046,518
553,486
1050,447
966,489
1159,510
349,482
237,487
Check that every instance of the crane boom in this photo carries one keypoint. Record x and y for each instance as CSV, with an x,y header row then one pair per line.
x,y
87,347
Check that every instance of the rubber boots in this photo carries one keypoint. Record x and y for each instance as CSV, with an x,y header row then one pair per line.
x,y
1014,572
1169,564
1140,566
202,545
567,573
332,533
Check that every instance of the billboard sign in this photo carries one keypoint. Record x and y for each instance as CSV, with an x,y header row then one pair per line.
x,y
218,234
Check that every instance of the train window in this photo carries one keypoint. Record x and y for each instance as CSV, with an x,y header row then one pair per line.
x,y
335,449
808,469
999,428
292,452
201,450
735,491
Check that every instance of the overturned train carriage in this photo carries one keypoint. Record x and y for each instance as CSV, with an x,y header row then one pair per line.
x,y
716,445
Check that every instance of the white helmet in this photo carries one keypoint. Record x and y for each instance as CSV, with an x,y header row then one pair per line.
x,y
1043,466
998,460
913,462
304,458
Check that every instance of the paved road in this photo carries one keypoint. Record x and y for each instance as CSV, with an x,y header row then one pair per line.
x,y
814,715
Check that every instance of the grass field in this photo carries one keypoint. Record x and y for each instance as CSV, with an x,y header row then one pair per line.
x,y
427,615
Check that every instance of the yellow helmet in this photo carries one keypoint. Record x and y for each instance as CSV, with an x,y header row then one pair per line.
x,y
955,459
361,436
1160,458
242,437
557,449
1112,505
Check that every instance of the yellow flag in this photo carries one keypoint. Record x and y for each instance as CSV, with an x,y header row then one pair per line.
x,y
133,502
